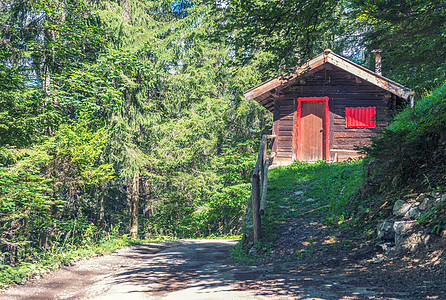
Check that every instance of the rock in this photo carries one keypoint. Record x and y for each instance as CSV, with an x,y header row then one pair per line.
x,y
401,236
386,232
310,200
385,247
421,198
425,205
298,193
408,238
401,227
400,208
413,213
412,241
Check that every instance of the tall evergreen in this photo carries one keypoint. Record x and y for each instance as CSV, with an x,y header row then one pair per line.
x,y
176,121
129,115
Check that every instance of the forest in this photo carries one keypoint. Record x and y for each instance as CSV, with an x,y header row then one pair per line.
x,y
127,117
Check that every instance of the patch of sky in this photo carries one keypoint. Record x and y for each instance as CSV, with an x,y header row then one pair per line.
x,y
181,8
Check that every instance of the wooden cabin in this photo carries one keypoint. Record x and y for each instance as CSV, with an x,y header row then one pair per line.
x,y
327,107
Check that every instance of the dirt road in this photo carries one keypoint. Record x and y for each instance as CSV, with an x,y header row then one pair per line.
x,y
202,269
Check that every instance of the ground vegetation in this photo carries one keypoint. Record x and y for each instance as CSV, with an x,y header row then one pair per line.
x,y
119,117
128,117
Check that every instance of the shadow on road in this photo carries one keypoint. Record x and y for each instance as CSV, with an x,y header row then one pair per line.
x,y
202,269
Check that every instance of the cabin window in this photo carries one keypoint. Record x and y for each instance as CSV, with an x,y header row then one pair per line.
x,y
360,117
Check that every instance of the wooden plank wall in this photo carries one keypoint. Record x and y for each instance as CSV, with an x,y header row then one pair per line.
x,y
343,90
283,124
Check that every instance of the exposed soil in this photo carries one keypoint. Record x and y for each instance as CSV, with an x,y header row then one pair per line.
x,y
338,254
311,261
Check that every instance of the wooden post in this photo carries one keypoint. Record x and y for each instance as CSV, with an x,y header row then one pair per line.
x,y
262,173
256,206
262,164
264,188
101,210
259,156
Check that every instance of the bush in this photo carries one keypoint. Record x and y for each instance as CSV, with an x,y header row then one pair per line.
x,y
412,150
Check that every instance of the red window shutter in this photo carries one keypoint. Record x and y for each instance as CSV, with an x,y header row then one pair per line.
x,y
360,117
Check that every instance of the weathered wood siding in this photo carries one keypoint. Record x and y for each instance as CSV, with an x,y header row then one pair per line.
x,y
343,90
284,120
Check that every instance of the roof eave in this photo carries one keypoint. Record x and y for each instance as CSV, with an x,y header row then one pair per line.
x,y
282,79
370,76
329,57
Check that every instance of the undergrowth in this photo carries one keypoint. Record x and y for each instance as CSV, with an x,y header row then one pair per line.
x,y
411,152
409,157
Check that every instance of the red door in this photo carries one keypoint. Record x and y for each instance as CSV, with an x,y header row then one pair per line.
x,y
312,142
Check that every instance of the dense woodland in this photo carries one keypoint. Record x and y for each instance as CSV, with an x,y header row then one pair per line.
x,y
128,117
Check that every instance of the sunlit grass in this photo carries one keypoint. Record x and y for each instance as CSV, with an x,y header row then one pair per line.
x,y
325,188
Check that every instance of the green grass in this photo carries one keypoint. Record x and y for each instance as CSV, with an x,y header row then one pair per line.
x,y
330,185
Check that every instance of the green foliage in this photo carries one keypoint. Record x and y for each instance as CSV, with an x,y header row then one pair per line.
x,y
70,29
24,209
411,33
411,151
436,216
7,156
239,253
177,128
19,107
287,33
224,211
70,155
42,186
408,157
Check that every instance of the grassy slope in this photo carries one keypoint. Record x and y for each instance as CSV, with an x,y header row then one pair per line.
x,y
330,185
408,157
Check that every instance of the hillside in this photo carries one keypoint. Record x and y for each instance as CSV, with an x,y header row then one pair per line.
x,y
125,121
386,210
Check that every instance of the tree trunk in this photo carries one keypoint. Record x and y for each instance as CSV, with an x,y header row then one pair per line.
x,y
126,10
101,210
134,205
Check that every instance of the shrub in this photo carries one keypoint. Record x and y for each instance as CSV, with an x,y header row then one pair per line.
x,y
412,150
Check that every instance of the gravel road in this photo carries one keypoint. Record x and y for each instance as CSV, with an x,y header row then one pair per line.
x,y
198,269
202,269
